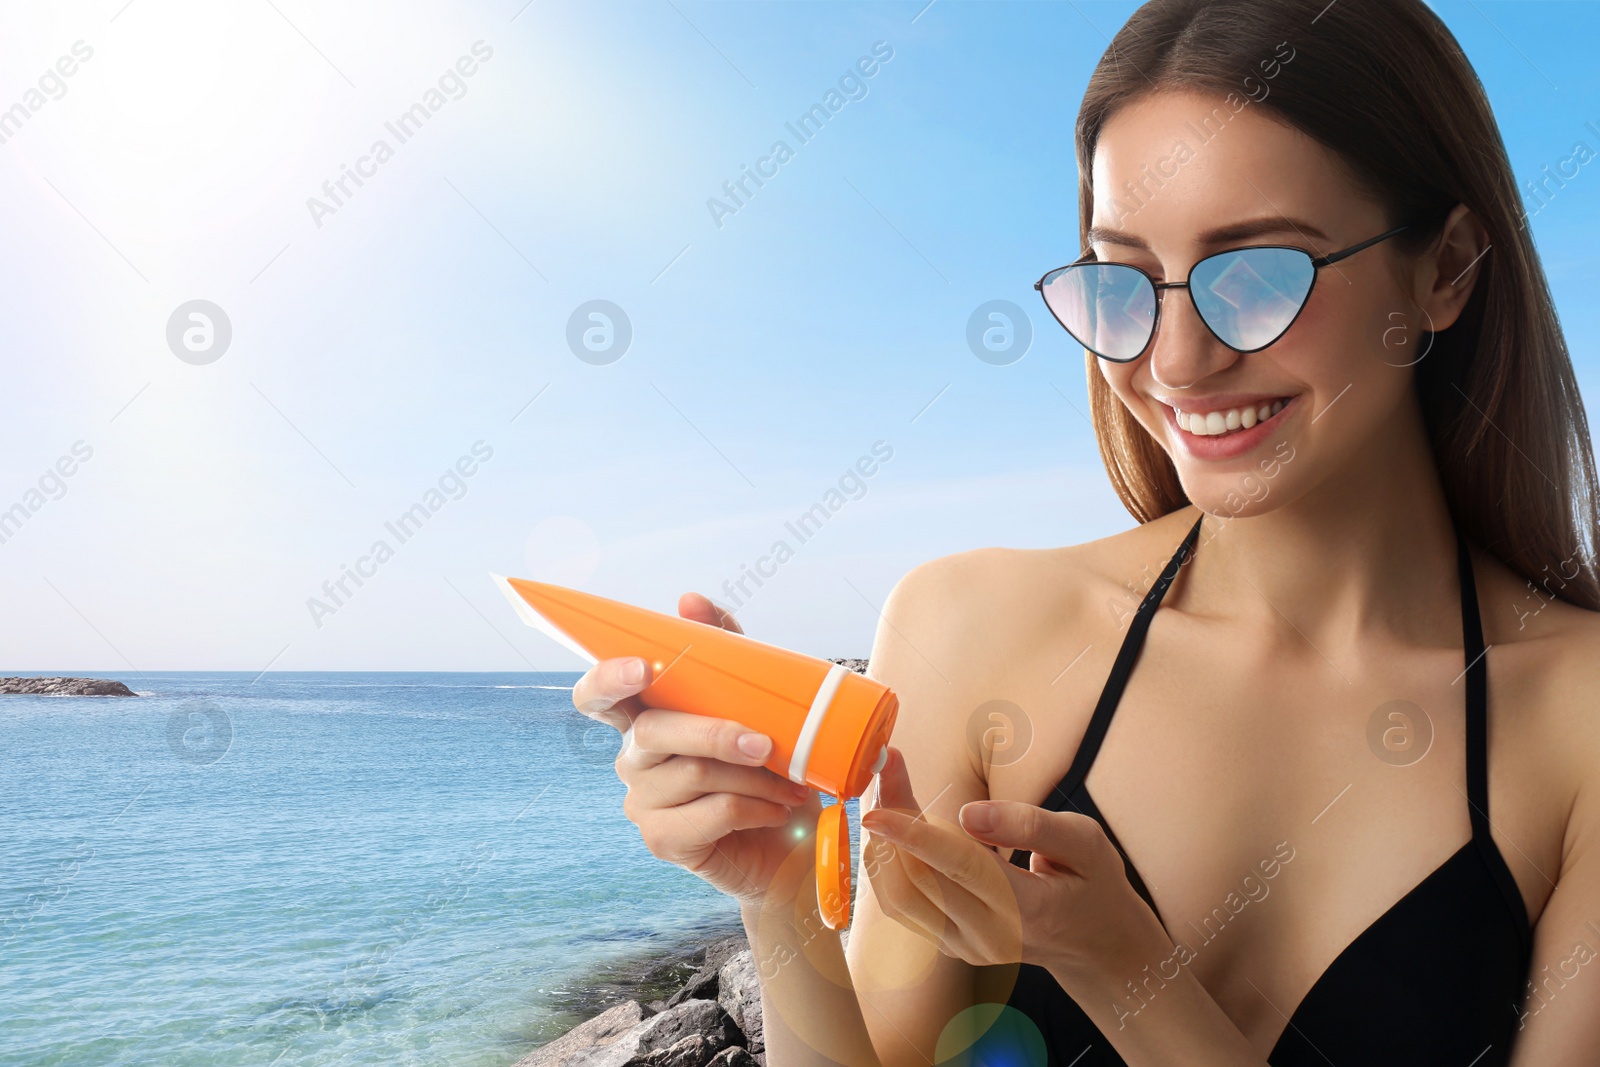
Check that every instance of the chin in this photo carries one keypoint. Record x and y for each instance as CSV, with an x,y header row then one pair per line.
x,y
1231,504
1257,483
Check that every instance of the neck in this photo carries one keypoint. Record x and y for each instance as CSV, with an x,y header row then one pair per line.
x,y
1367,554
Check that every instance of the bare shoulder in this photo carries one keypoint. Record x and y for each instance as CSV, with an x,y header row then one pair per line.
x,y
975,611
1545,673
1551,646
984,624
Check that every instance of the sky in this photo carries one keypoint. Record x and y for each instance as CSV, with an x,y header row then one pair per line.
x,y
537,313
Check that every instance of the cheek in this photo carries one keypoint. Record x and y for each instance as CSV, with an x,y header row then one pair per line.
x,y
1359,377
1119,378
1347,335
1380,336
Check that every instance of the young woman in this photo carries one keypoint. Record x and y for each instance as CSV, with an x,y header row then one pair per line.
x,y
1346,810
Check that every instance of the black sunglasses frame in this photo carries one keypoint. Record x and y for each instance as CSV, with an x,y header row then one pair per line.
x,y
1317,262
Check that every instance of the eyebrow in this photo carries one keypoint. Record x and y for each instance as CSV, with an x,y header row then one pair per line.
x,y
1218,235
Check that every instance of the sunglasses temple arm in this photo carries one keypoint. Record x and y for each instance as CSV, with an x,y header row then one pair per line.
x,y
1323,261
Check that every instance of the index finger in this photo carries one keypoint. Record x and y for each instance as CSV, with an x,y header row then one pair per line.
x,y
943,847
892,785
701,608
605,693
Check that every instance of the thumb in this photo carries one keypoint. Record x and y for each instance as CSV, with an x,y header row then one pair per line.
x,y
1067,839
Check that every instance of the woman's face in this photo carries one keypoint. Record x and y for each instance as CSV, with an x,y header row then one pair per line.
x,y
1174,172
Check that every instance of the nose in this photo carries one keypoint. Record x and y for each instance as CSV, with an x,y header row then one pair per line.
x,y
1183,350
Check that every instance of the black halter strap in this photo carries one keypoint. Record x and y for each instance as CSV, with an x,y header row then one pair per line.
x,y
1127,656
1475,673
1477,679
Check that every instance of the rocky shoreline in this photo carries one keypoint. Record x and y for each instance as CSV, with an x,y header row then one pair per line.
x,y
698,1005
64,687
710,1015
712,1018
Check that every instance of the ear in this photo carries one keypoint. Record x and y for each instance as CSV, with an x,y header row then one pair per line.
x,y
1447,272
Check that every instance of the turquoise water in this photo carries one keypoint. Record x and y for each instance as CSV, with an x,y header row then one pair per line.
x,y
315,869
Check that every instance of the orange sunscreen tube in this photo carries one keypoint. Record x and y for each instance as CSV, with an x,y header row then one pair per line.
x,y
829,726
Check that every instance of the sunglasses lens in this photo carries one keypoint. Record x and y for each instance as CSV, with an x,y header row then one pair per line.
x,y
1249,297
1108,308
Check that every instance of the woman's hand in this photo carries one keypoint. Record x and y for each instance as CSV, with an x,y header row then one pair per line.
x,y
1073,911
697,787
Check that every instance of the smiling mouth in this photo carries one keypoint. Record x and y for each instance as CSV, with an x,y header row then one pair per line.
x,y
1226,421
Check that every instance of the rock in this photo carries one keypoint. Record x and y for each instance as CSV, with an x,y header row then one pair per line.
x,y
588,1042
703,1019
688,1035
702,985
857,665
65,687
692,1051
713,1019
739,993
724,949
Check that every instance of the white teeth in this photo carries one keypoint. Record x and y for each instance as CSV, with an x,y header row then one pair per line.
x,y
1212,423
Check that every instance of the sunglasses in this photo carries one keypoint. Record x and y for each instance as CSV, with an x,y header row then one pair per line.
x,y
1247,297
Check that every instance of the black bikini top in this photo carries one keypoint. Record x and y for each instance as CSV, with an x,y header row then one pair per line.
x,y
1438,978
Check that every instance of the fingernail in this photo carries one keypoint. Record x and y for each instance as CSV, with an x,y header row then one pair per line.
x,y
755,745
632,672
800,790
879,823
979,816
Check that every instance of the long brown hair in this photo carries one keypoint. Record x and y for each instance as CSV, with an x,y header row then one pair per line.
x,y
1386,86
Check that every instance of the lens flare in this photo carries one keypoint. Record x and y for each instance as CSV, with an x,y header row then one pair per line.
x,y
991,1035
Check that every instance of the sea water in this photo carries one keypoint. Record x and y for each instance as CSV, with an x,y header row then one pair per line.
x,y
338,868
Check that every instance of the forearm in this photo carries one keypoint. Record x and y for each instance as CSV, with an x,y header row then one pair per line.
x,y
1160,1021
810,1014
